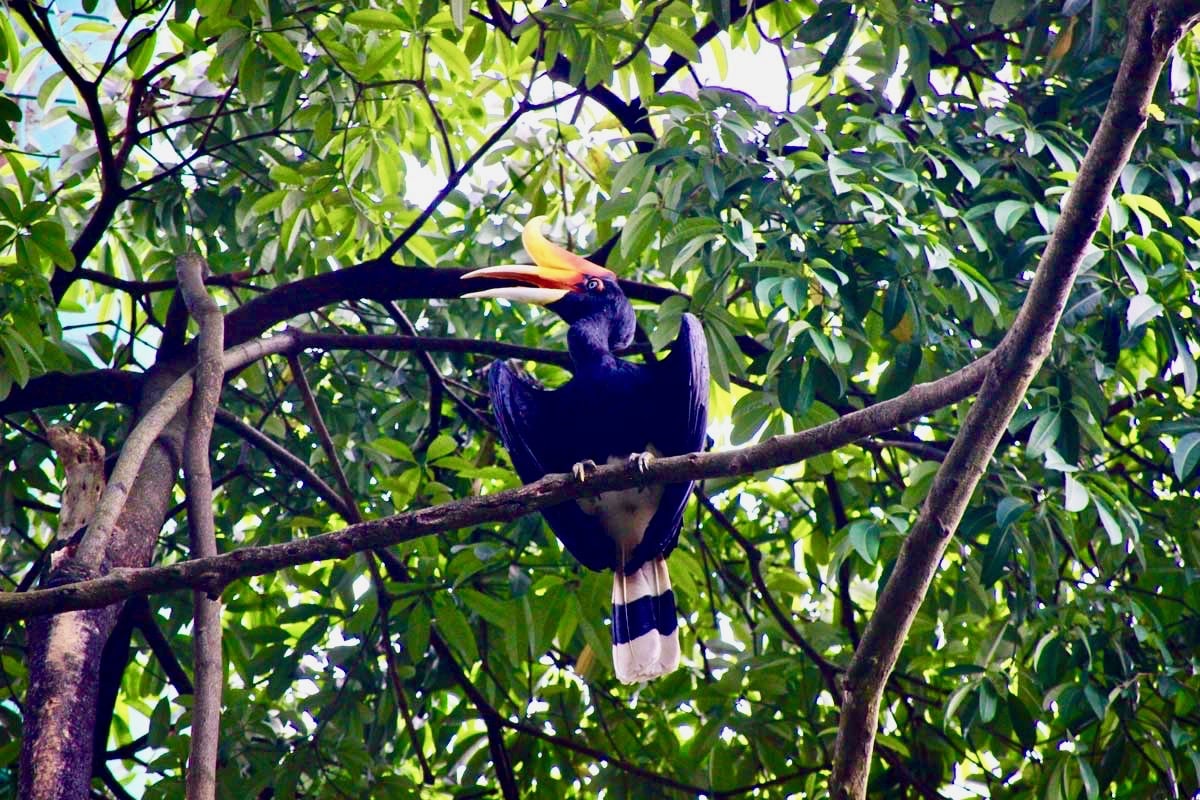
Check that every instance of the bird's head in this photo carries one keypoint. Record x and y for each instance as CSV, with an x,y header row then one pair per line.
x,y
567,284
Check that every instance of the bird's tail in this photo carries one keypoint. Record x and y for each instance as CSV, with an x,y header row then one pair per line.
x,y
645,632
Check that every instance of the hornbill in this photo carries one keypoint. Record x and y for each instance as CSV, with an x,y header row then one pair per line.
x,y
610,411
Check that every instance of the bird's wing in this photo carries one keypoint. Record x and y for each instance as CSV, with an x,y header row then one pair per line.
x,y
681,381
526,418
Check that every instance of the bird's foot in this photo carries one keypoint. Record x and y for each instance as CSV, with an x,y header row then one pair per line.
x,y
641,461
584,470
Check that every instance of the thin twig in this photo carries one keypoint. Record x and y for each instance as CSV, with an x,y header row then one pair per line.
x,y
828,669
437,387
283,458
383,597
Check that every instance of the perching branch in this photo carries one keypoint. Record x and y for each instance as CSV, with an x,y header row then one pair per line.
x,y
1153,29
197,472
214,573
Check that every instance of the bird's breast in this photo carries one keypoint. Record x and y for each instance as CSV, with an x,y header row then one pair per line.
x,y
625,514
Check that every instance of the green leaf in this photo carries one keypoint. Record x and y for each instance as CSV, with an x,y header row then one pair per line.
x,y
1076,495
989,701
283,50
895,304
51,240
1044,435
186,34
1023,724
1115,535
1147,204
458,13
420,247
676,39
443,445
451,56
393,449
1005,11
1186,455
638,231
381,55
1008,213
417,637
1142,309
1009,510
667,321
376,19
996,555
749,414
141,50
494,611
14,362
160,723
864,536
453,626
837,49
1192,223
900,374
1090,784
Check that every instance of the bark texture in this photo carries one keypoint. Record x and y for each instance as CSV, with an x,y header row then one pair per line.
x,y
57,731
65,650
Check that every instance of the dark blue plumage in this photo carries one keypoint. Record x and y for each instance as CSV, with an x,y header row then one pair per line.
x,y
610,410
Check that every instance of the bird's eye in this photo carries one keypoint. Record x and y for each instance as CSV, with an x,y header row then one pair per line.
x,y
594,285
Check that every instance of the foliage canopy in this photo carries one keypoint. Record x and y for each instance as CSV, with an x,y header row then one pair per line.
x,y
875,228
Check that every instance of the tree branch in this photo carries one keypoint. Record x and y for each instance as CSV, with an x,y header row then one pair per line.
x,y
845,574
62,388
197,472
283,458
452,182
378,280
214,573
1153,29
437,385
92,548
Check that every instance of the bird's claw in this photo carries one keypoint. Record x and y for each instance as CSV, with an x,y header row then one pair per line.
x,y
641,461
584,470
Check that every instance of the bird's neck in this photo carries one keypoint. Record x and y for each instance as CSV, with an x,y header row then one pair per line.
x,y
587,341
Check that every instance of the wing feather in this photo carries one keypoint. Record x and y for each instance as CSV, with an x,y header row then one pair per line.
x,y
524,413
682,382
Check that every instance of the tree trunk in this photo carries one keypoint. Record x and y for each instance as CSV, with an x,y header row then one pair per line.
x,y
64,649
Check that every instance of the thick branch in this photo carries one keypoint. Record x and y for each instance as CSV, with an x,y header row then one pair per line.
x,y
61,388
378,280
214,573
1154,28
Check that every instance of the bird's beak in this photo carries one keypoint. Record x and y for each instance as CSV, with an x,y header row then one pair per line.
x,y
557,272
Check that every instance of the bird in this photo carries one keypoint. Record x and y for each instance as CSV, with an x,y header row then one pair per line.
x,y
611,411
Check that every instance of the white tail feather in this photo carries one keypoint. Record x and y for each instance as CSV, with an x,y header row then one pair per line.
x,y
641,651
